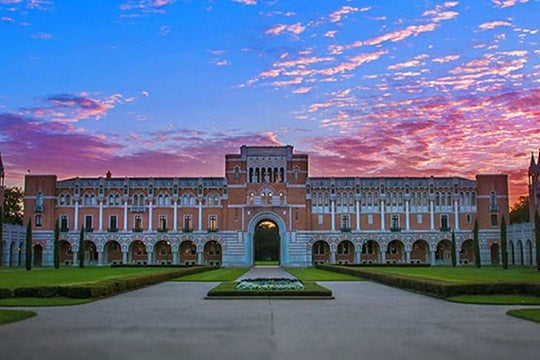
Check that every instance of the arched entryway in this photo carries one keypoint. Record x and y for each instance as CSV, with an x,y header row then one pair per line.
x,y
212,253
188,253
466,254
113,252
345,252
370,252
65,253
395,252
494,249
38,255
266,243
519,253
443,255
137,252
163,253
420,252
320,252
90,253
512,255
529,253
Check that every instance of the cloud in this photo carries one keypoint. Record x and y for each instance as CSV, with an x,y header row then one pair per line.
x,y
302,90
246,2
493,25
507,3
343,11
136,8
42,36
277,29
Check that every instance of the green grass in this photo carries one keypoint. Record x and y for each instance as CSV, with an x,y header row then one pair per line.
x,y
527,314
32,302
314,274
311,289
266,263
465,274
222,274
8,316
14,278
496,299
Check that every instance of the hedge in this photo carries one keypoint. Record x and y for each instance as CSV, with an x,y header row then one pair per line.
x,y
438,288
102,288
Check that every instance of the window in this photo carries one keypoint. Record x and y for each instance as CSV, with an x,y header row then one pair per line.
x,y
321,219
444,222
494,221
370,219
493,202
236,173
114,200
113,223
345,223
368,248
394,222
64,225
319,248
162,223
469,218
138,223
188,223
212,223
343,248
296,170
419,219
39,220
88,226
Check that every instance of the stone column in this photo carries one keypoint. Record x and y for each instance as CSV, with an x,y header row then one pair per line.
x,y
432,253
124,257
407,216
332,256
100,215
357,215
357,256
431,215
76,220
200,216
383,256
150,210
175,218
75,257
456,215
407,256
125,216
100,258
333,214
175,257
150,255
383,226
200,258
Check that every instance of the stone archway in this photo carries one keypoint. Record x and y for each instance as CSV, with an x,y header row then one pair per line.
x,y
266,242
38,255
278,248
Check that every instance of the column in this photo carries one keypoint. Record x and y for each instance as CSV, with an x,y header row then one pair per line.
x,y
125,216
332,256
382,215
100,258
175,257
100,215
150,255
200,258
75,258
175,220
124,257
407,216
458,260
200,216
150,209
456,215
432,253
357,215
333,214
431,215
407,256
76,220
383,256
357,258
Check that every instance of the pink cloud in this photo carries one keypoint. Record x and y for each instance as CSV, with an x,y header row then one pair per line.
x,y
246,2
507,3
295,29
494,24
343,11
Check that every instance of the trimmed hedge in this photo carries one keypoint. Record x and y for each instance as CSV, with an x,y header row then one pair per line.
x,y
102,288
438,288
228,289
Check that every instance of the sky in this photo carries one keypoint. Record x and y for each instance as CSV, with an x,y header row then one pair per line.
x,y
365,87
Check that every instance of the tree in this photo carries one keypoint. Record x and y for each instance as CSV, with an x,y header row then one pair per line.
x,y
28,258
1,234
476,245
56,252
453,249
519,213
13,205
503,244
80,254
537,238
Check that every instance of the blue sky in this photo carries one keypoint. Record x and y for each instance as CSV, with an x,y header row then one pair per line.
x,y
367,88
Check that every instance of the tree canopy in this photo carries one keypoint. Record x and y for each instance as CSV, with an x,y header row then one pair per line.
x,y
519,212
13,205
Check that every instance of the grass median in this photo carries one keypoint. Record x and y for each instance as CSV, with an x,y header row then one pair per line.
x,y
9,316
228,290
527,314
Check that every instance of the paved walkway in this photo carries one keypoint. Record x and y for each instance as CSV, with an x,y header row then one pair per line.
x,y
365,321
268,272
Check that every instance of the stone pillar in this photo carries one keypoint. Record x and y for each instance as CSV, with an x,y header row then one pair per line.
x,y
125,216
76,220
432,253
383,226
175,218
456,215
100,215
150,259
175,257
407,216
150,210
200,257
332,256
357,256
100,258
199,220
333,215
75,257
383,256
407,256
124,257
431,215
357,215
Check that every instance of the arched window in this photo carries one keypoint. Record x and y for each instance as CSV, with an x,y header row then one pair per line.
x,y
493,201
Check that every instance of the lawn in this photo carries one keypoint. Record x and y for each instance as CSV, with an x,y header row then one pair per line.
x,y
34,302
314,274
527,314
496,299
465,274
14,278
222,274
266,263
8,316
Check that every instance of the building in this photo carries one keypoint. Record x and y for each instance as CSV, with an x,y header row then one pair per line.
x,y
216,220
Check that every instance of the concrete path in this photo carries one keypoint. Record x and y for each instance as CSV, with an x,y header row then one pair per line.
x,y
366,321
268,272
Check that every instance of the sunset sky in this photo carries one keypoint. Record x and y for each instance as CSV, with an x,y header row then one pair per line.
x,y
366,88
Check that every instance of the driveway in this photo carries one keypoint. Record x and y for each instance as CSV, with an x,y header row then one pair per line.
x,y
366,320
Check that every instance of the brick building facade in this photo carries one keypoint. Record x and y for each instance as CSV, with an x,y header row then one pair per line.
x,y
214,220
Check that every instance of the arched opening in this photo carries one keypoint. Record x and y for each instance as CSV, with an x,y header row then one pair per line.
x,y
345,252
519,254
113,252
512,259
188,253
212,253
370,252
65,253
494,249
38,255
420,252
13,250
320,252
443,255
163,253
266,243
90,253
529,253
137,252
395,252
466,255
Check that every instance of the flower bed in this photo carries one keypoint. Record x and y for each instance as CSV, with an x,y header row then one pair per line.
x,y
310,290
262,284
